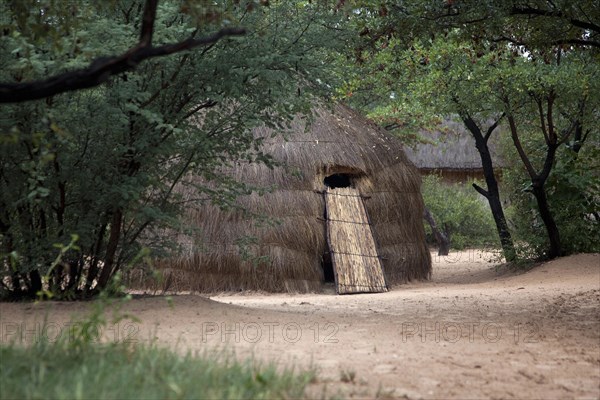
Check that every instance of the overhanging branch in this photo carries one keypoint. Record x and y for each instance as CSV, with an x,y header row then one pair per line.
x,y
101,69
528,11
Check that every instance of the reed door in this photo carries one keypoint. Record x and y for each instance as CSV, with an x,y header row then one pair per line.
x,y
356,263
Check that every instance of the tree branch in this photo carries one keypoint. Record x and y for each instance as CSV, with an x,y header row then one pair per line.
x,y
548,163
515,137
550,118
584,138
566,133
207,104
148,23
572,41
542,120
491,129
554,14
481,190
101,69
576,42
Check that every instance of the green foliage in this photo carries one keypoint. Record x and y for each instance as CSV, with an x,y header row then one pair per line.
x,y
574,195
125,371
460,212
111,164
537,64
47,291
535,23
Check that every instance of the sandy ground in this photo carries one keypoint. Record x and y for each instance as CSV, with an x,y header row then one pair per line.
x,y
474,331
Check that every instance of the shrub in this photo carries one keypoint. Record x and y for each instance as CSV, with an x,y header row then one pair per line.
x,y
573,191
460,212
111,164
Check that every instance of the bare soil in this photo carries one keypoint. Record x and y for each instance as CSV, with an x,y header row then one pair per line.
x,y
475,330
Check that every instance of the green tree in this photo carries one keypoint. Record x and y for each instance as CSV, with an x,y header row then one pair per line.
x,y
112,164
427,82
40,21
550,96
533,66
573,189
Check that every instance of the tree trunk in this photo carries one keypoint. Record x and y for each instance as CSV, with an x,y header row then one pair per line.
x,y
442,240
16,285
506,242
492,194
538,181
95,256
111,249
35,283
555,249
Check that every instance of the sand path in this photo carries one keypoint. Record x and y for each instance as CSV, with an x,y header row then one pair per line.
x,y
474,331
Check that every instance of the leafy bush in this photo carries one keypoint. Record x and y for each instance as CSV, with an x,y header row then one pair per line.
x,y
460,212
104,163
573,191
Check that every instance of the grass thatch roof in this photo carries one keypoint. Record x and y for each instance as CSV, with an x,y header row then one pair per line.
x,y
452,148
341,141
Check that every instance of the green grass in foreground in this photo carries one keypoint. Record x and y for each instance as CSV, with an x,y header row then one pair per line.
x,y
119,371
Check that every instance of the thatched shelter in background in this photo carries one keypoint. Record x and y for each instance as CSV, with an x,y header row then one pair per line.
x,y
451,153
340,149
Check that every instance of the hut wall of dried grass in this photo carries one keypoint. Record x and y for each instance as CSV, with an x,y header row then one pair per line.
x,y
286,254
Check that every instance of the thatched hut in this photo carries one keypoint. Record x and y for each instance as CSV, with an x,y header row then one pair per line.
x,y
340,149
451,153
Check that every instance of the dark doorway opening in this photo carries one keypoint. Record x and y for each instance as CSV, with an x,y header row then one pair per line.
x,y
327,265
338,181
